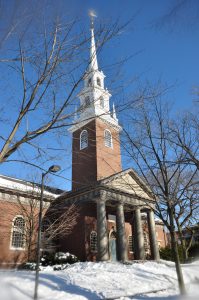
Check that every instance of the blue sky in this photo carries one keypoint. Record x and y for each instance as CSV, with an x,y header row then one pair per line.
x,y
164,49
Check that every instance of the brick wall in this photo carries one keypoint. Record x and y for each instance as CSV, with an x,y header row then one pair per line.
x,y
9,209
84,163
96,161
108,159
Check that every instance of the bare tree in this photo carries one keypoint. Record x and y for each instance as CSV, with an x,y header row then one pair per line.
x,y
48,70
185,134
180,15
187,207
58,222
157,161
58,219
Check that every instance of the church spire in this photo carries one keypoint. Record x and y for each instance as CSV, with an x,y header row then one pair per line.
x,y
93,65
94,97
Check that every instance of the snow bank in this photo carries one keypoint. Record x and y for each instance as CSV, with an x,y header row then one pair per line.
x,y
101,281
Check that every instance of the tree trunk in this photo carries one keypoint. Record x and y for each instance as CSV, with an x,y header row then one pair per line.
x,y
175,252
183,243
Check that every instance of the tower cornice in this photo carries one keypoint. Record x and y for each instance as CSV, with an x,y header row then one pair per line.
x,y
81,123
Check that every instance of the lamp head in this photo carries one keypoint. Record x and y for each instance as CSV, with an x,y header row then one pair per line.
x,y
54,169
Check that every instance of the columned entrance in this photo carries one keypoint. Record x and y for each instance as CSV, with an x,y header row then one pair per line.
x,y
114,245
124,240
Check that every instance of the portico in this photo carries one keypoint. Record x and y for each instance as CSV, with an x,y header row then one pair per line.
x,y
103,242
126,207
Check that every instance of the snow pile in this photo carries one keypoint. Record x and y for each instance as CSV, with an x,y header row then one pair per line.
x,y
60,256
101,281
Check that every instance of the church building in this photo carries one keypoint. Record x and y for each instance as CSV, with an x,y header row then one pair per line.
x,y
116,219
115,207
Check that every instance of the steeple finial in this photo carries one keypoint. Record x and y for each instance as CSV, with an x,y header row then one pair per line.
x,y
93,65
92,15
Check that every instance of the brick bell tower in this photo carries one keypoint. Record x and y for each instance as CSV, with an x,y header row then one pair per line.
x,y
95,133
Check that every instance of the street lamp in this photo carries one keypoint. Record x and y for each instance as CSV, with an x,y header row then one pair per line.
x,y
52,169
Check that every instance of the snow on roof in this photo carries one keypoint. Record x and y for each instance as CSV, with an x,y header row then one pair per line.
x,y
27,186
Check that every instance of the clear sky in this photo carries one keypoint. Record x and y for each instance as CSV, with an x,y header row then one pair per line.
x,y
163,47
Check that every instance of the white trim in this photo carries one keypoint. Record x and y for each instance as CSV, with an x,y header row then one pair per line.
x,y
11,236
111,138
110,232
102,100
89,116
11,183
80,139
99,80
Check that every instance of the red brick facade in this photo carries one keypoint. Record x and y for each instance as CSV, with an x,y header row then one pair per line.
x,y
95,161
18,204
79,242
9,256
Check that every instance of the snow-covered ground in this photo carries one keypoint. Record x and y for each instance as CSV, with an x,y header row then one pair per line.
x,y
94,281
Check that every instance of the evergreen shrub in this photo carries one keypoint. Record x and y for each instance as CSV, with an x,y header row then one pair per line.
x,y
167,253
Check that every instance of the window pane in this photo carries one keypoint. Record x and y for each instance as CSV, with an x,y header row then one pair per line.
x,y
93,241
146,242
131,246
19,223
83,139
18,233
108,138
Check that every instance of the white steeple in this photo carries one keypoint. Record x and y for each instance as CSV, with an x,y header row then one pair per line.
x,y
93,65
94,98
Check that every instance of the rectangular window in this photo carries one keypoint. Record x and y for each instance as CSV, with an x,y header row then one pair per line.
x,y
131,246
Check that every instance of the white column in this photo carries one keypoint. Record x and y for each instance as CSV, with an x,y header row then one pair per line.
x,y
152,236
139,237
102,237
121,234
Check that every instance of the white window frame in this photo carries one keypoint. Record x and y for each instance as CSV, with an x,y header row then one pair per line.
x,y
80,140
105,140
93,243
12,231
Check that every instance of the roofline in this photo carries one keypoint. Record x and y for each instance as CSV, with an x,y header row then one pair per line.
x,y
130,170
30,184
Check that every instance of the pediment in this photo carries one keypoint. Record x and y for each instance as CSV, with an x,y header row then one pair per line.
x,y
128,181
